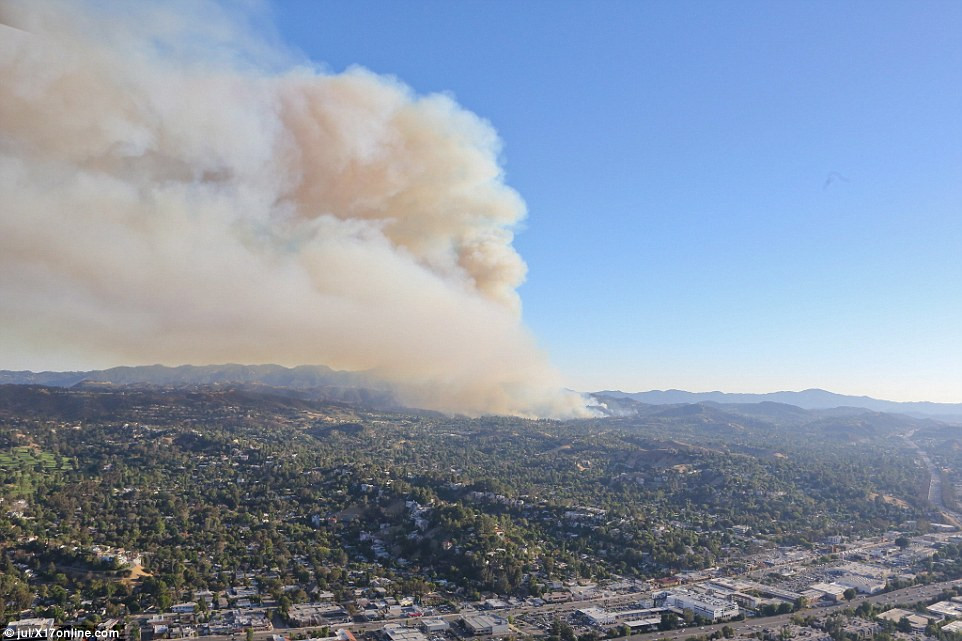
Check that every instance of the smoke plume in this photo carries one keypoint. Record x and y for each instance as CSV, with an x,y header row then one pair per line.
x,y
177,189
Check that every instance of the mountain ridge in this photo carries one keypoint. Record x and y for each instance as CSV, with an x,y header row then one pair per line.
x,y
365,386
810,399
313,382
299,377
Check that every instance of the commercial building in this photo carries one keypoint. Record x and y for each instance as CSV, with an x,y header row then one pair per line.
x,y
317,614
597,616
703,605
831,591
863,584
946,609
862,569
635,618
434,626
486,624
35,628
918,623
396,632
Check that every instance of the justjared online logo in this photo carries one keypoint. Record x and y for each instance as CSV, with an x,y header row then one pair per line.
x,y
59,633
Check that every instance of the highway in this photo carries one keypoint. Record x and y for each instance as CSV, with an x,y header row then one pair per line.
x,y
935,483
905,595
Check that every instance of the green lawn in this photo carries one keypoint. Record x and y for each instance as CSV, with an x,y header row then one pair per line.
x,y
28,457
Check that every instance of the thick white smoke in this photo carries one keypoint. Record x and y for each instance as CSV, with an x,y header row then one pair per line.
x,y
175,191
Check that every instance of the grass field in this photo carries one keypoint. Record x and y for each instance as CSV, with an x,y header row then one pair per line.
x,y
28,457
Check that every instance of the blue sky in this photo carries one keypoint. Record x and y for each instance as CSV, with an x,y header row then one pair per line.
x,y
744,196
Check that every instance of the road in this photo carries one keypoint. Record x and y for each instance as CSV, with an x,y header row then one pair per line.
x,y
905,595
935,483
568,606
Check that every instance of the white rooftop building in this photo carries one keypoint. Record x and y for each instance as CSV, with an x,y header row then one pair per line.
x,y
946,609
863,584
40,628
434,626
703,605
486,624
396,632
833,591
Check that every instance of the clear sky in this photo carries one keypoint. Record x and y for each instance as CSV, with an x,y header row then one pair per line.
x,y
744,196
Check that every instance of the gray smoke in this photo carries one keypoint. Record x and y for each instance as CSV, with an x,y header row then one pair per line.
x,y
177,190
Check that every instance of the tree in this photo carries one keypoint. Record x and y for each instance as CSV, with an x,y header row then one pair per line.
x,y
561,631
22,597
669,621
902,541
849,594
904,625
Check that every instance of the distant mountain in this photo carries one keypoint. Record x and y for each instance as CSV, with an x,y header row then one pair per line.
x,y
302,377
92,401
846,424
318,382
315,382
811,399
